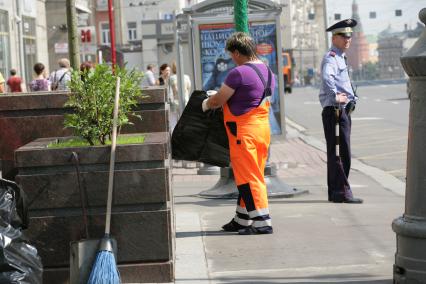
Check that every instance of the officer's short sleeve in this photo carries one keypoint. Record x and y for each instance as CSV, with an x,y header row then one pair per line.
x,y
329,72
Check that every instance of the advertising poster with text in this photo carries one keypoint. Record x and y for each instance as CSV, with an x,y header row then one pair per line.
x,y
216,63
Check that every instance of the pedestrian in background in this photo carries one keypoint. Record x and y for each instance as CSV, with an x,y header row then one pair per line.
x,y
244,96
2,89
174,85
40,83
85,68
163,79
14,82
59,78
149,77
335,95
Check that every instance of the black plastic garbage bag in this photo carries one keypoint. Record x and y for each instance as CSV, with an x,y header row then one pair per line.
x,y
13,209
19,261
200,136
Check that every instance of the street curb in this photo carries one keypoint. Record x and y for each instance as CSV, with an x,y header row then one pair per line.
x,y
191,261
386,180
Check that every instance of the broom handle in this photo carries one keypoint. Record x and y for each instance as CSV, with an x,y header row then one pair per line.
x,y
112,159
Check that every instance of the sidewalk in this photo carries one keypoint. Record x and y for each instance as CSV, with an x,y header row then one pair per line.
x,y
314,241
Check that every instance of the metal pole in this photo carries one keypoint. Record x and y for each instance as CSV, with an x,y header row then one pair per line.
x,y
240,16
112,32
325,22
21,42
410,229
73,50
179,68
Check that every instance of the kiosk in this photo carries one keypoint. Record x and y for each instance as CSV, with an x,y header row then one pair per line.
x,y
202,31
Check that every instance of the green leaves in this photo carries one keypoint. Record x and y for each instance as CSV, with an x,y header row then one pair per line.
x,y
93,101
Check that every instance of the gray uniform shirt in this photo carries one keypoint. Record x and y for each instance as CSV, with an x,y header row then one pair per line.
x,y
334,78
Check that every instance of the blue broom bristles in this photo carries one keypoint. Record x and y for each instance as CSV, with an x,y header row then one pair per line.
x,y
104,270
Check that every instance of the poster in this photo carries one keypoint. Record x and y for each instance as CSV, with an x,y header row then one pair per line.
x,y
216,63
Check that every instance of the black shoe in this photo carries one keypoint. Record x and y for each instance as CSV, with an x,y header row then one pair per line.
x,y
250,230
353,200
233,226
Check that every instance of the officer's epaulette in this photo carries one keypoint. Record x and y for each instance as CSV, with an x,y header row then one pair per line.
x,y
332,53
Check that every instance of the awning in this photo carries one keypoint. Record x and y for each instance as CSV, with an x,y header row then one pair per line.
x,y
82,6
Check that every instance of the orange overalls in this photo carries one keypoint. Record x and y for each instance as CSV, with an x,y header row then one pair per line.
x,y
249,138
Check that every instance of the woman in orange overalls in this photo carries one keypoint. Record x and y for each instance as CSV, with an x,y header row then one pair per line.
x,y
244,97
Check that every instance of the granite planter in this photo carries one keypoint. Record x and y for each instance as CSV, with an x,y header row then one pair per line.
x,y
142,221
28,116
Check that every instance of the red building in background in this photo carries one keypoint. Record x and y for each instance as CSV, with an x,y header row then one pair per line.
x,y
358,53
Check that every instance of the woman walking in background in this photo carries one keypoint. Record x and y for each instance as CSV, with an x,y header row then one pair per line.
x,y
14,83
40,83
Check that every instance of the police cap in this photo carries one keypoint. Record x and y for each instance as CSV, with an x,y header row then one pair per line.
x,y
343,28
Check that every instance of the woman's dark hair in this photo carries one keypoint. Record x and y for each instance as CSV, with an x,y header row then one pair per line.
x,y
38,68
86,66
243,43
163,67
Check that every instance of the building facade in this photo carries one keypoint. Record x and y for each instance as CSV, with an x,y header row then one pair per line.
x,y
23,38
57,29
304,37
391,46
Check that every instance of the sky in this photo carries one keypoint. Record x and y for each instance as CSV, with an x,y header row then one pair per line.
x,y
385,11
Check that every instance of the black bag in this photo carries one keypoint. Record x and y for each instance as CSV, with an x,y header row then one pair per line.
x,y
200,136
19,260
15,211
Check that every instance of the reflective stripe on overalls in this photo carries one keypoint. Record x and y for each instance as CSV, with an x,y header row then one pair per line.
x,y
249,138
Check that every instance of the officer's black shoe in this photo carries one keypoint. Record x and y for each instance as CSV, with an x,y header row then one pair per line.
x,y
233,226
250,230
353,200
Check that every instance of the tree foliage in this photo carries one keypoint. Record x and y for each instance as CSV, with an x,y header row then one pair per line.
x,y
92,100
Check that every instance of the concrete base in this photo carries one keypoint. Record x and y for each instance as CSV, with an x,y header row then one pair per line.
x,y
410,258
226,188
208,170
162,272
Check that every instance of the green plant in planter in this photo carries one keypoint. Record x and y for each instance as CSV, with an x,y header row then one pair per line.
x,y
92,100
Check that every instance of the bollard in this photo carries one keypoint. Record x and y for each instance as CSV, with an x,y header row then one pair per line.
x,y
410,229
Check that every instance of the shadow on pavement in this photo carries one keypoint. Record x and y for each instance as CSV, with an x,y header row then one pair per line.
x,y
314,280
203,233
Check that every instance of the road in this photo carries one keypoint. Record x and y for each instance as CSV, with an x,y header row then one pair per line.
x,y
379,124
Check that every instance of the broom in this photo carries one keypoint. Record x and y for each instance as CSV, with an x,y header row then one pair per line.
x,y
104,269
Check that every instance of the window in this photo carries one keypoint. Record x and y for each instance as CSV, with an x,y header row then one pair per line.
x,y
373,15
398,13
105,39
30,48
131,31
337,17
4,43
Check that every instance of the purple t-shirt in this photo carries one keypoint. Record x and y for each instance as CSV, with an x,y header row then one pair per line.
x,y
38,85
248,87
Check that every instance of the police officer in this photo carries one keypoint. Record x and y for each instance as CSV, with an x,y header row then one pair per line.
x,y
337,97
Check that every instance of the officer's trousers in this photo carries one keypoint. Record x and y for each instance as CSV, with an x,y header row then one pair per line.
x,y
334,172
